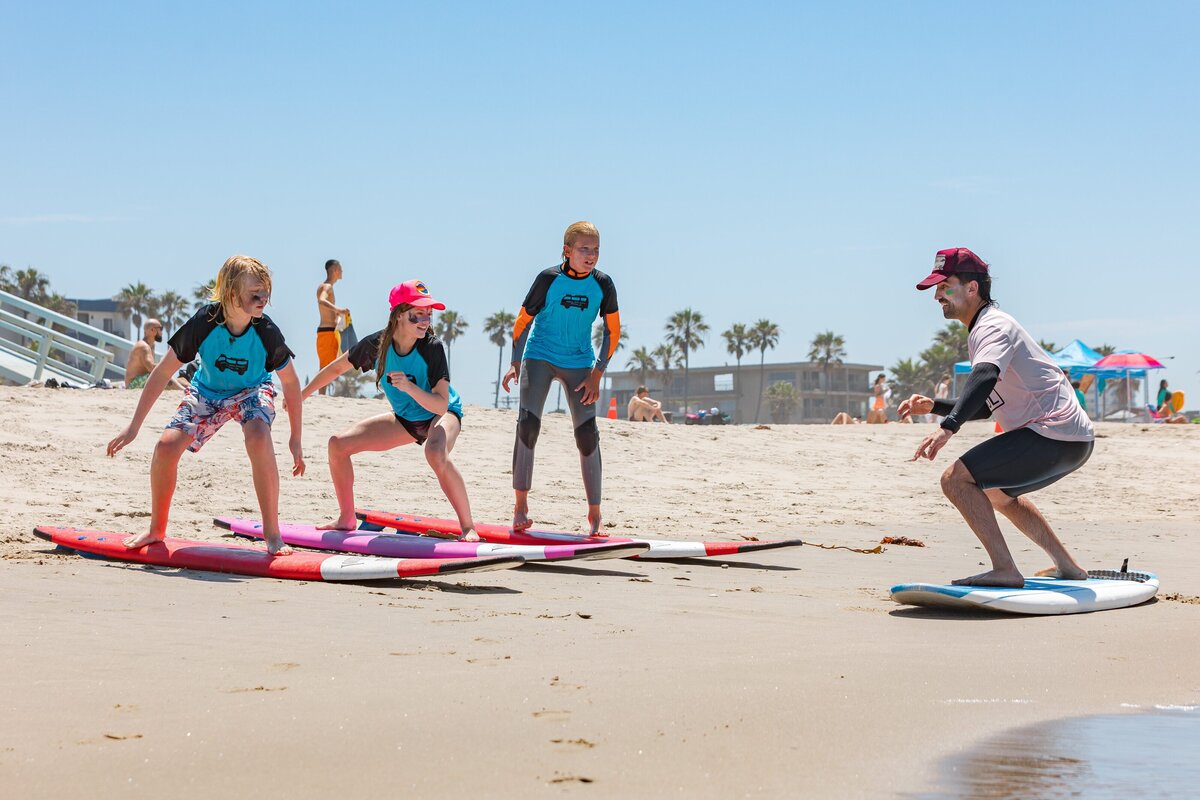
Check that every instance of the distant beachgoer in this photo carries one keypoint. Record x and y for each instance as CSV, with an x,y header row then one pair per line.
x,y
843,418
329,340
643,408
1079,395
878,412
552,341
942,392
1164,395
238,347
411,367
141,359
1046,433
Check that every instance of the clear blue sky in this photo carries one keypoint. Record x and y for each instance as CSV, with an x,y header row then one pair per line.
x,y
797,163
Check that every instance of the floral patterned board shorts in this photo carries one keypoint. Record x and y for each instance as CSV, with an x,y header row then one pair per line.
x,y
201,417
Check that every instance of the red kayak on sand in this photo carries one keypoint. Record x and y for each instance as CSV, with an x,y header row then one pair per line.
x,y
501,534
248,560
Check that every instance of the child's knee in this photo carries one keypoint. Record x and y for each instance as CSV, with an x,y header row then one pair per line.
x,y
587,437
436,455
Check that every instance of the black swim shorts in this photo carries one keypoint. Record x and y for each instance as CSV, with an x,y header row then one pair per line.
x,y
420,430
1022,461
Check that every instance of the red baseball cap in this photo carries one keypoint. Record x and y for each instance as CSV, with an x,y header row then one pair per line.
x,y
952,262
414,294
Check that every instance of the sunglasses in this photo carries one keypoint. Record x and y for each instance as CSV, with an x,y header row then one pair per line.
x,y
416,320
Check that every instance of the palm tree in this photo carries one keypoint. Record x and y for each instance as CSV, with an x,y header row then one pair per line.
x,y
351,384
827,349
737,344
686,329
1106,349
598,335
643,361
763,336
448,328
908,378
135,299
935,361
669,359
6,279
782,399
954,338
1049,347
498,328
173,308
202,293
31,285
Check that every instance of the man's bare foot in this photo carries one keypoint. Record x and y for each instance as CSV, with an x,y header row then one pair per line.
x,y
993,577
340,524
143,539
469,535
1072,574
521,520
276,547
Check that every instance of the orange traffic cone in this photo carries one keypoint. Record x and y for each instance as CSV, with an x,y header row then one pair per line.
x,y
998,428
612,408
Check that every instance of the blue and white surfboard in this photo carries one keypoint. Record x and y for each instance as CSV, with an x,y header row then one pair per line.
x,y
1104,589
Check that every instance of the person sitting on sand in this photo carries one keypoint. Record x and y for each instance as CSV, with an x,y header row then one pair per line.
x,y
1046,435
643,408
424,406
238,347
141,359
843,418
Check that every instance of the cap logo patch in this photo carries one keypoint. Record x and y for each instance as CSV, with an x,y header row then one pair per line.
x,y
939,263
420,288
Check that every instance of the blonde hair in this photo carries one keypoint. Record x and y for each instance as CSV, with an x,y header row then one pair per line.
x,y
233,274
385,341
577,229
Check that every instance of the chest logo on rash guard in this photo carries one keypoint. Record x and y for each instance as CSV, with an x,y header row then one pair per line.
x,y
238,365
575,301
994,400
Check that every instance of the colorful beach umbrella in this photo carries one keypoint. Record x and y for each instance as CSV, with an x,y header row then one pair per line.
x,y
1129,361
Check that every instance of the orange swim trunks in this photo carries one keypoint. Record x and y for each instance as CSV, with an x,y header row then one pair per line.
x,y
329,345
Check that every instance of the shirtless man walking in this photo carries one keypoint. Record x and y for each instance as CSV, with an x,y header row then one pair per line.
x,y
141,358
1046,435
329,341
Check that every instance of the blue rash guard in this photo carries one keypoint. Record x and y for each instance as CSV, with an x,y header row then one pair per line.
x,y
563,308
229,364
425,365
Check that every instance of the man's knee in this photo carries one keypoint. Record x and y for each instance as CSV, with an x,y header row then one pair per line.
x,y
956,478
587,437
999,499
529,425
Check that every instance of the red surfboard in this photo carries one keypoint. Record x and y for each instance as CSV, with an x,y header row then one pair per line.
x,y
242,559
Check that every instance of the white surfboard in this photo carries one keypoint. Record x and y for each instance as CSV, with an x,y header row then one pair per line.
x,y
1104,589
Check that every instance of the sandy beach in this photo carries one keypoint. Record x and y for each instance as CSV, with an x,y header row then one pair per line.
x,y
783,674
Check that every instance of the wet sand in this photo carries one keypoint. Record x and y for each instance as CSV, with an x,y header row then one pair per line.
x,y
770,675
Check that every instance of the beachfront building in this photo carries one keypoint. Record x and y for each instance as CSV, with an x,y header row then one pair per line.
x,y
736,393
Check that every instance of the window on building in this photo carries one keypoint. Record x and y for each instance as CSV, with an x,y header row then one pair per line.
x,y
723,383
84,317
108,326
776,377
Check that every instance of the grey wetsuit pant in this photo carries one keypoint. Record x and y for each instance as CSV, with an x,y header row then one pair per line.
x,y
536,377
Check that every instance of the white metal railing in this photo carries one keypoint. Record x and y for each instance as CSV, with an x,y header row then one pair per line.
x,y
50,347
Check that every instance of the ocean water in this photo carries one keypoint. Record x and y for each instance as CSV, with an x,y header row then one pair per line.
x,y
1145,754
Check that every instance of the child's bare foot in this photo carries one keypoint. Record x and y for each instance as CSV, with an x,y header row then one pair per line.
x,y
276,547
469,535
521,520
1070,574
143,539
340,524
993,577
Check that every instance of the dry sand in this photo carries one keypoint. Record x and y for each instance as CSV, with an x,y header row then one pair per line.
x,y
783,674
